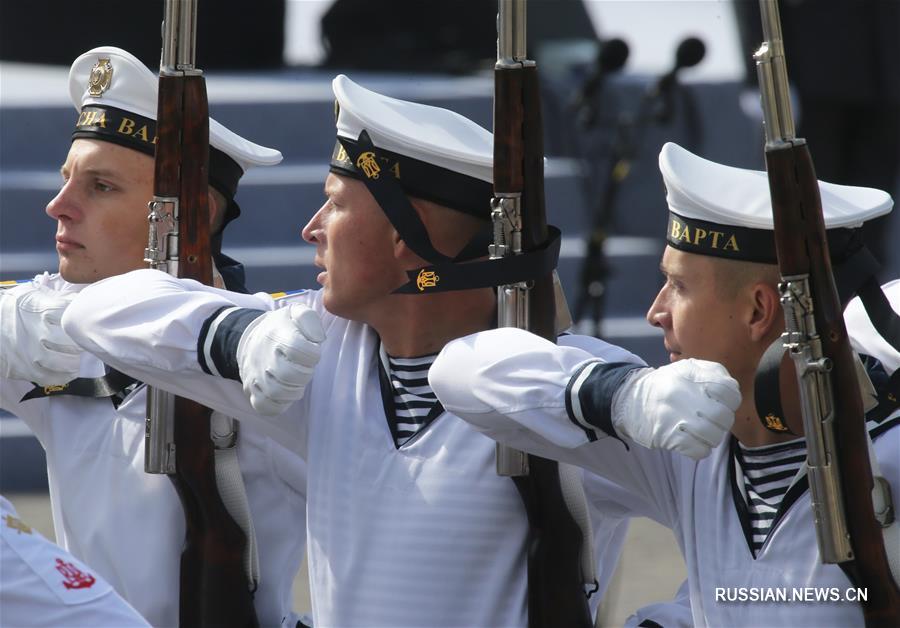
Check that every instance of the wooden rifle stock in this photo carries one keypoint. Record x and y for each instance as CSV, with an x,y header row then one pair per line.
x,y
555,584
214,590
803,250
839,468
519,166
542,305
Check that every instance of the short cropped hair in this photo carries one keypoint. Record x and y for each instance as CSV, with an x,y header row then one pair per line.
x,y
733,275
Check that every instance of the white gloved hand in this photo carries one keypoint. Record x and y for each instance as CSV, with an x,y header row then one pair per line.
x,y
687,406
276,356
33,345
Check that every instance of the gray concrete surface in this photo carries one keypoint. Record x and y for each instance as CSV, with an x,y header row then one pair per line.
x,y
651,568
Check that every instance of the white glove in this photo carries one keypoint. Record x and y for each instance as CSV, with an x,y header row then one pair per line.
x,y
687,406
276,356
34,346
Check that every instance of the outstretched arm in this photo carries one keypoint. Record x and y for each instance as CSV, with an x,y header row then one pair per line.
x,y
568,404
35,347
158,329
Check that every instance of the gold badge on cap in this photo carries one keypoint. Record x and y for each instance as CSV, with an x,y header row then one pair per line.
x,y
101,77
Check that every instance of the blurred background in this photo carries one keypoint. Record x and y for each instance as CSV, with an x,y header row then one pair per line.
x,y
619,78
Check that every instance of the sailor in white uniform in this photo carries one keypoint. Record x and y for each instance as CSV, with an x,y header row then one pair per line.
x,y
408,522
41,584
125,523
742,515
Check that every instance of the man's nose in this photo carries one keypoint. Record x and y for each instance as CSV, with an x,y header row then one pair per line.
x,y
312,232
657,315
64,205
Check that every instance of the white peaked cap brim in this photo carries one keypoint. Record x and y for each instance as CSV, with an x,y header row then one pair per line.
x,y
134,88
430,134
704,190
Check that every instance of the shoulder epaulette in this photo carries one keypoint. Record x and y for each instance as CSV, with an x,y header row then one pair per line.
x,y
12,283
290,293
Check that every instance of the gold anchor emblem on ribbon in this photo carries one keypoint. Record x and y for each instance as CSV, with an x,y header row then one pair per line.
x,y
368,164
426,279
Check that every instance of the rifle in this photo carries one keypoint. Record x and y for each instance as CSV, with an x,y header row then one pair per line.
x,y
840,473
555,584
214,588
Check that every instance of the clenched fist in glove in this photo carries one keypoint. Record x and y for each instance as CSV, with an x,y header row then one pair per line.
x,y
276,356
33,345
687,406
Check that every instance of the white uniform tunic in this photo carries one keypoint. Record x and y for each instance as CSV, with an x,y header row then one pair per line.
x,y
423,535
486,382
129,525
43,585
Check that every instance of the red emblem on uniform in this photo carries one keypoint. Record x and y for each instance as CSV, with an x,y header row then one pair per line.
x,y
74,577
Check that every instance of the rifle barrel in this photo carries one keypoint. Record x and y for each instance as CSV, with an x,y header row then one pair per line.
x,y
179,51
511,29
773,78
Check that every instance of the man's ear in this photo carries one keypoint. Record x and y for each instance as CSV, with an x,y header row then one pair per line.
x,y
400,248
405,255
216,209
767,314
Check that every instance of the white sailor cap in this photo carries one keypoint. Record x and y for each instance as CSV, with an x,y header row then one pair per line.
x,y
116,96
727,212
433,153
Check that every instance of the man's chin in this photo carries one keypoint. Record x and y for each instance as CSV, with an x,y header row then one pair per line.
x,y
73,274
330,303
67,272
347,308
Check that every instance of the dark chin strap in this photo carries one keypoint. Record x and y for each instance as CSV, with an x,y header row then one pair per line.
x,y
445,273
112,385
767,390
393,201
489,273
231,270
